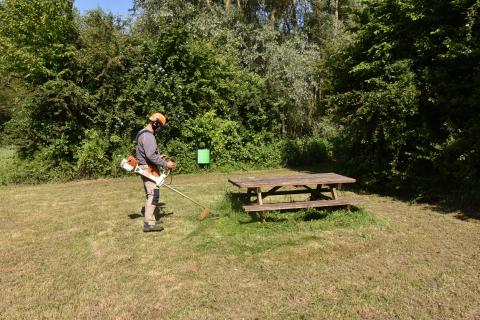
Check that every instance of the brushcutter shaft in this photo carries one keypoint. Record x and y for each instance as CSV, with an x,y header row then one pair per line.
x,y
184,195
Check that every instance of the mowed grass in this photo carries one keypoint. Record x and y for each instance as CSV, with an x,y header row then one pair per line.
x,y
77,251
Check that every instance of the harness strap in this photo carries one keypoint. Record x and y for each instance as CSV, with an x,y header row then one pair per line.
x,y
150,168
140,133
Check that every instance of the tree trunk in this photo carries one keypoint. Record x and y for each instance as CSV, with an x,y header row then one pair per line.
x,y
239,6
274,11
337,15
228,3
337,8
294,15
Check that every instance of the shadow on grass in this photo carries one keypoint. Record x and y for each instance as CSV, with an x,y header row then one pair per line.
x,y
440,202
451,203
315,215
305,215
158,213
235,201
321,214
134,215
256,218
459,211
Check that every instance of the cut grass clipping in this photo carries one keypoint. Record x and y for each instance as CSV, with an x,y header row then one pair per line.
x,y
236,232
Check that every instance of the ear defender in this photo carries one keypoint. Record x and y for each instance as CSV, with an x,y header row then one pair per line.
x,y
156,124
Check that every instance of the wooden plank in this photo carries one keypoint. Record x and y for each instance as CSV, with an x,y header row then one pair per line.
x,y
297,205
302,179
281,192
327,178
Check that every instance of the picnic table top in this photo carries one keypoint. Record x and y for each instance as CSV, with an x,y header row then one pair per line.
x,y
294,180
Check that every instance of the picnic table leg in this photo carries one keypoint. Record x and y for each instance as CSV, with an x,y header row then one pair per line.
x,y
333,190
260,202
318,192
250,192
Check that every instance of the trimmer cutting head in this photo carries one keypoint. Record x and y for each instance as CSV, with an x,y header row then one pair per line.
x,y
203,214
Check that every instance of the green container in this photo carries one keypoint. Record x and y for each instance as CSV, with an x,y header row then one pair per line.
x,y
203,156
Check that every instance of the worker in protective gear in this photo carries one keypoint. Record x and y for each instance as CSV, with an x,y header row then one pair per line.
x,y
149,159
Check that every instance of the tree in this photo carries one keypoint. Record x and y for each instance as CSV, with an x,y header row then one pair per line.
x,y
11,91
37,38
405,94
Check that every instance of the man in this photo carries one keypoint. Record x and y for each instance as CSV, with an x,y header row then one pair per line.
x,y
149,159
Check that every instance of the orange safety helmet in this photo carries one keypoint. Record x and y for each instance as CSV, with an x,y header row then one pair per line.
x,y
158,117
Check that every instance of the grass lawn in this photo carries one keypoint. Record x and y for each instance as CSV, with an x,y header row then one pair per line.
x,y
77,251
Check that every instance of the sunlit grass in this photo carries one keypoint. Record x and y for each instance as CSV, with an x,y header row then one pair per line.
x,y
77,251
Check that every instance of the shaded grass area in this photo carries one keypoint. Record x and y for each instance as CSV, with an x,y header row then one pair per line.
x,y
76,251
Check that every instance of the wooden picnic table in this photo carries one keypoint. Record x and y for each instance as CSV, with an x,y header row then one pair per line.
x,y
314,184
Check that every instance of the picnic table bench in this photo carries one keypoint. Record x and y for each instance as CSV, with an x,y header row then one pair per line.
x,y
314,184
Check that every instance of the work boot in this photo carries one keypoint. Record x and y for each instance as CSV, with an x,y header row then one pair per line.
x,y
152,228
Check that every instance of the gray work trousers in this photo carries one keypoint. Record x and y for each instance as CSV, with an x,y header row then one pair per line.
x,y
152,193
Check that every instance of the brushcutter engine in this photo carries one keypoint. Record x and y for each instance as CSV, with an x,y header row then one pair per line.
x,y
129,164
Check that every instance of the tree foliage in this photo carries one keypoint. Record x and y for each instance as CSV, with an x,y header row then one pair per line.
x,y
37,38
389,88
406,94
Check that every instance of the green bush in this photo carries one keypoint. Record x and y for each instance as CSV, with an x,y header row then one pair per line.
x,y
231,147
10,165
261,150
184,154
91,155
306,151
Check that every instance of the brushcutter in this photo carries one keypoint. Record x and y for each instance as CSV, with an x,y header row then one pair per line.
x,y
130,164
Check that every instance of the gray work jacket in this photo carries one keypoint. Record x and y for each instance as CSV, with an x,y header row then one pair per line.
x,y
146,150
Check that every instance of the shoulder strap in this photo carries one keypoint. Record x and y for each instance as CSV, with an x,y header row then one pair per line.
x,y
140,133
